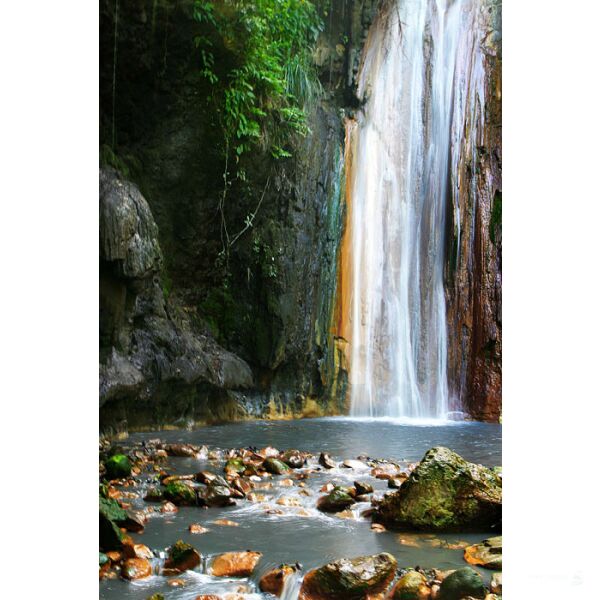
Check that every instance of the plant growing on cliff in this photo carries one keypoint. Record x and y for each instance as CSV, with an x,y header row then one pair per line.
x,y
257,58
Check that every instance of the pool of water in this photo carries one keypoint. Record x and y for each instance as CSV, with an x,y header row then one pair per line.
x,y
300,533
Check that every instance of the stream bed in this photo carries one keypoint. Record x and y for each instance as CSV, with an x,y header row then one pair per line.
x,y
284,525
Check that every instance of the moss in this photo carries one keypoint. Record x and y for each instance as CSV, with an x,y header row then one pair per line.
x,y
180,551
496,216
236,465
118,467
180,494
111,510
219,311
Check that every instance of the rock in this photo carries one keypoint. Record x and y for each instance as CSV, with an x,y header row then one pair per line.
x,y
378,528
275,466
336,501
234,465
488,554
182,557
293,459
268,452
242,486
349,579
135,521
273,581
111,514
103,565
463,582
288,501
235,564
168,507
326,461
154,494
136,568
362,487
395,482
496,583
180,494
118,467
137,551
216,495
196,528
156,597
205,477
445,492
411,586
181,450
353,464
226,523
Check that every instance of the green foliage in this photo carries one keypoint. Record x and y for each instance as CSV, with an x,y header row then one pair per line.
x,y
264,75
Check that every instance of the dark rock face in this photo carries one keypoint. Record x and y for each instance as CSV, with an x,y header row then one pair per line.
x,y
463,583
277,310
148,347
445,492
474,264
352,579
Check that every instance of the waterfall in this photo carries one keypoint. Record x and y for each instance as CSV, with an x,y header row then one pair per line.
x,y
419,69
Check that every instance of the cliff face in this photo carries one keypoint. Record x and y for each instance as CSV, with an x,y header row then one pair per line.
x,y
274,312
474,265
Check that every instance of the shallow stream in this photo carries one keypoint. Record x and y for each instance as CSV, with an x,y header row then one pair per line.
x,y
298,533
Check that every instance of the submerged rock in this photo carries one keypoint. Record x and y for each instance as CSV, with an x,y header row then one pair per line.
x,y
182,557
273,581
349,579
117,467
235,564
336,501
487,554
445,492
275,466
465,582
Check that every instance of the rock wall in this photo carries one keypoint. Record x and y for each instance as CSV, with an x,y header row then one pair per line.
x,y
474,265
274,314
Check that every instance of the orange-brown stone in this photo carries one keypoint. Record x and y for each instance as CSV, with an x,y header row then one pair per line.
x,y
235,564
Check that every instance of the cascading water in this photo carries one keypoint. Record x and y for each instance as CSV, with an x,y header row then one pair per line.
x,y
417,80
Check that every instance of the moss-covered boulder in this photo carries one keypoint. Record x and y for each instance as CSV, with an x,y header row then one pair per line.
x,y
488,554
118,467
465,582
336,501
349,579
275,466
182,557
411,586
111,514
180,494
444,493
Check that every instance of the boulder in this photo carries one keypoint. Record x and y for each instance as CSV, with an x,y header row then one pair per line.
x,y
411,586
235,564
465,582
117,467
336,501
235,465
496,583
349,579
445,492
275,466
487,554
136,568
182,557
273,581
180,494
154,494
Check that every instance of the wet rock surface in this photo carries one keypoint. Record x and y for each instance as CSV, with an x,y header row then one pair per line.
x,y
354,578
488,554
445,492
